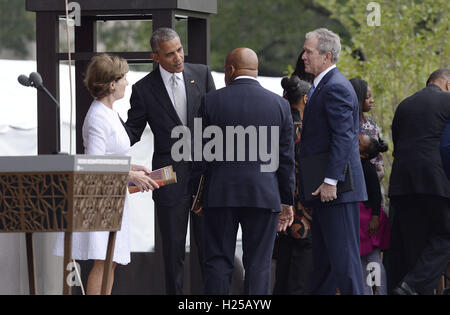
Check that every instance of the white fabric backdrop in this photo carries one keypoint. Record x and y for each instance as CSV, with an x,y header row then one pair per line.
x,y
18,136
18,132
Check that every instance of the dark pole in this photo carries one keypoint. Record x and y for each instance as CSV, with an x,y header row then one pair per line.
x,y
198,52
57,120
85,41
164,18
199,40
47,38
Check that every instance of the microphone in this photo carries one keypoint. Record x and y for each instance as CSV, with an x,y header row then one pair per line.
x,y
36,79
24,80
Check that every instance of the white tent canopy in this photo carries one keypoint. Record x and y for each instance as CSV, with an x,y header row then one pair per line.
x,y
18,132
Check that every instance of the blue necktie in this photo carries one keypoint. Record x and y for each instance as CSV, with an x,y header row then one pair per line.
x,y
311,91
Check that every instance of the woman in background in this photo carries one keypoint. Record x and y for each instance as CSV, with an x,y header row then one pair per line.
x,y
104,134
294,247
374,225
368,125
300,72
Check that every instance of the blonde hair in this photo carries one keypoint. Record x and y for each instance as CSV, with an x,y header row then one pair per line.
x,y
102,70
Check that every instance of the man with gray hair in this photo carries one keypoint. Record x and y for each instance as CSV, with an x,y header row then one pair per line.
x,y
330,129
168,97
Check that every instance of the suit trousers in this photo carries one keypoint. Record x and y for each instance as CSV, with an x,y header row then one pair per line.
x,y
337,264
259,228
420,241
293,267
173,223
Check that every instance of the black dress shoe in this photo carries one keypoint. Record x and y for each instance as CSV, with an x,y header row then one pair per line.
x,y
404,289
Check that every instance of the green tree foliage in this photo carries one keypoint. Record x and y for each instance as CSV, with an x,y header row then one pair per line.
x,y
410,43
17,26
275,30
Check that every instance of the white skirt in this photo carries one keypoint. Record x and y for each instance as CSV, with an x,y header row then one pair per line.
x,y
93,245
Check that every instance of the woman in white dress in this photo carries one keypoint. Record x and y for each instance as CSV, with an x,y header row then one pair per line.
x,y
104,134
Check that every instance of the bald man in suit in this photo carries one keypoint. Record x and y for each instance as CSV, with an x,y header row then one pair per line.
x,y
252,193
419,190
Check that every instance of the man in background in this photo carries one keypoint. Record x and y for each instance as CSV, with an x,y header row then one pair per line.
x,y
419,190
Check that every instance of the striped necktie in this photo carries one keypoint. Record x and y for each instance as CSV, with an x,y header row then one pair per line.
x,y
179,98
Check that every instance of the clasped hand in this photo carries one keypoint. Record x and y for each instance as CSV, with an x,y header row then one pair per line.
x,y
326,191
139,176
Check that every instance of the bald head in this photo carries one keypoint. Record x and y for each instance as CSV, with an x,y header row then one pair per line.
x,y
441,78
240,61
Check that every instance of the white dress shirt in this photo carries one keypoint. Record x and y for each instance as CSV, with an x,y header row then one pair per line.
x,y
321,75
245,77
317,80
167,79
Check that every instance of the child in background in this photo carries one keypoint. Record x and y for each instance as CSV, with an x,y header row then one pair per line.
x,y
374,225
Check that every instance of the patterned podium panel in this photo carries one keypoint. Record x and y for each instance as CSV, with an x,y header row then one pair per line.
x,y
63,193
63,201
33,202
98,201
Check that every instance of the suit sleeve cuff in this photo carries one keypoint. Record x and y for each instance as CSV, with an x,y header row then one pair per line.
x,y
330,181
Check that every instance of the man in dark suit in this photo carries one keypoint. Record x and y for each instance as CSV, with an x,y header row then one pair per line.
x,y
242,185
419,190
168,97
445,149
330,125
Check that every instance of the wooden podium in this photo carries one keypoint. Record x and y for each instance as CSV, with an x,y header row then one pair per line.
x,y
63,193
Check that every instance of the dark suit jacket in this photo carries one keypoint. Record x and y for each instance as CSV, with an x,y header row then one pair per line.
x,y
417,128
151,104
445,149
330,124
242,184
